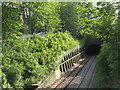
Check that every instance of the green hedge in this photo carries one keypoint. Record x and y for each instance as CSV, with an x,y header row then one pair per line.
x,y
107,66
26,61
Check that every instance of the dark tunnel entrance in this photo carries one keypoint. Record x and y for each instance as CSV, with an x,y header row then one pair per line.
x,y
93,49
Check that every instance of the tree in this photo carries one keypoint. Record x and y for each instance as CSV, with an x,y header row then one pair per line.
x,y
45,16
11,23
69,17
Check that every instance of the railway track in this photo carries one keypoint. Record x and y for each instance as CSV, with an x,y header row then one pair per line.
x,y
81,75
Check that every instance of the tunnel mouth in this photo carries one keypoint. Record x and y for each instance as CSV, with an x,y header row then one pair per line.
x,y
93,49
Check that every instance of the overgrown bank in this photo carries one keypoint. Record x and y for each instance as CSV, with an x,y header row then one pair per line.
x,y
81,19
26,61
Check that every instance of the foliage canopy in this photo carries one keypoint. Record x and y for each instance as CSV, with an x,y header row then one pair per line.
x,y
31,58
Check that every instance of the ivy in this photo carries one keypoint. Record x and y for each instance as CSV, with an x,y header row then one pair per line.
x,y
25,58
32,59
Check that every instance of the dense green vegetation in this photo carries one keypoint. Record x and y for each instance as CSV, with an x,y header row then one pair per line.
x,y
29,18
106,28
25,61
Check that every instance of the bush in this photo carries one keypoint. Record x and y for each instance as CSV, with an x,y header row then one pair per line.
x,y
26,61
107,65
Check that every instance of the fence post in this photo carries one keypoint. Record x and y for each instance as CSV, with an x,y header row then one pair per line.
x,y
57,73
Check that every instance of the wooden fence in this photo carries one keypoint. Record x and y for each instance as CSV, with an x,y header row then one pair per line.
x,y
64,62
